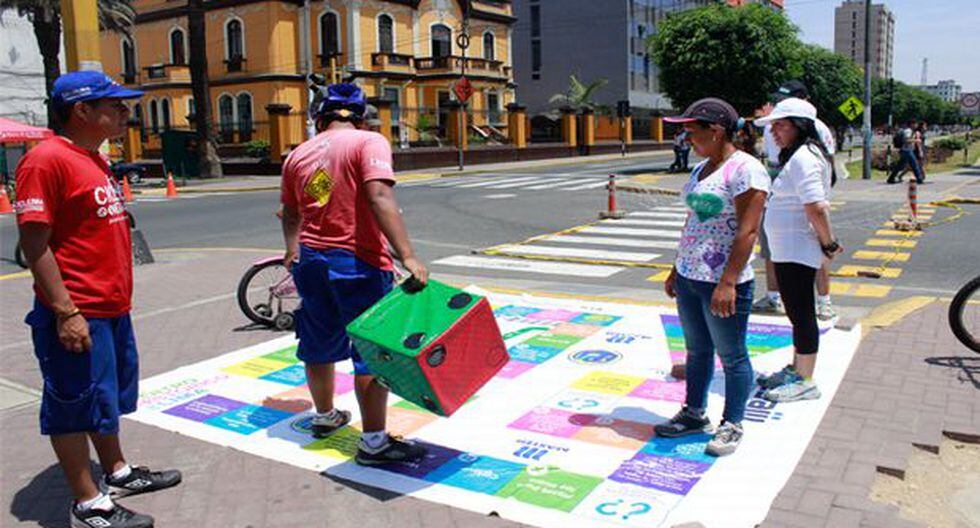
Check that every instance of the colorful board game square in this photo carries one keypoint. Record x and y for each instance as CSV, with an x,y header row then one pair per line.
x,y
608,383
405,422
686,447
532,354
661,390
295,400
477,473
572,329
284,355
553,315
515,312
615,504
548,421
342,383
596,319
622,434
550,488
248,419
435,457
254,368
583,402
204,408
514,368
553,340
342,444
294,375
670,474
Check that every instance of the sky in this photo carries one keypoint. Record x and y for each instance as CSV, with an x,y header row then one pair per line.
x,y
947,32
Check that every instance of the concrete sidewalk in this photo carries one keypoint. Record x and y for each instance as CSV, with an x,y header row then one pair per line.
x,y
902,389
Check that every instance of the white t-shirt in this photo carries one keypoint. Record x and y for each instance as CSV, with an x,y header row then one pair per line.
x,y
804,180
709,232
772,150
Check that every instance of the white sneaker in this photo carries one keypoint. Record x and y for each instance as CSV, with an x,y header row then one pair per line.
x,y
769,305
825,311
726,440
797,391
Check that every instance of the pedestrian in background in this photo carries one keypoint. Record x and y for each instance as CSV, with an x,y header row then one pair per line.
x,y
682,150
904,141
712,278
800,237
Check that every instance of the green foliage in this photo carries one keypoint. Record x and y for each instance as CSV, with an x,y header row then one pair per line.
x,y
909,102
258,148
579,94
740,55
831,79
951,143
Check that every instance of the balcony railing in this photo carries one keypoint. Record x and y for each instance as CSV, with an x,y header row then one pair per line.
x,y
163,73
453,64
386,61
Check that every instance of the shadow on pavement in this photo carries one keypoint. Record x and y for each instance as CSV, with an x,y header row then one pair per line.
x,y
970,367
46,499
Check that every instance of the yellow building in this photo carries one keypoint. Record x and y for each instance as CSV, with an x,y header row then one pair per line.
x,y
261,52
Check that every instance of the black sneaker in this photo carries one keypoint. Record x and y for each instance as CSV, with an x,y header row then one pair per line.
x,y
117,517
321,427
395,450
684,423
142,480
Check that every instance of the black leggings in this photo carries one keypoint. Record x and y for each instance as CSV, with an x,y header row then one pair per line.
x,y
796,283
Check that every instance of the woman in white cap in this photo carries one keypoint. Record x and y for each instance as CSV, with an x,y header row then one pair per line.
x,y
801,239
712,278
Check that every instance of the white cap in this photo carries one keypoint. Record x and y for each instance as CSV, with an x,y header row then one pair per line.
x,y
790,107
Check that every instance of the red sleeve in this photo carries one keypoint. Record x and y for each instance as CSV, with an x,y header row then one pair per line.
x,y
286,195
375,161
38,196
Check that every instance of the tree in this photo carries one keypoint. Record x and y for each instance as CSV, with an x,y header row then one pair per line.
x,y
738,54
579,94
207,149
45,16
907,103
831,79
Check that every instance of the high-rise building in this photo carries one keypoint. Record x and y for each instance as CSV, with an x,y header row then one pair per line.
x,y
849,35
946,90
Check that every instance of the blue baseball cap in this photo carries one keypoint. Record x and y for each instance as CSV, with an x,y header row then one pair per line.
x,y
78,86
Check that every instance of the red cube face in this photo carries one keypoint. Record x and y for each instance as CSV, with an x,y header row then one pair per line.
x,y
464,358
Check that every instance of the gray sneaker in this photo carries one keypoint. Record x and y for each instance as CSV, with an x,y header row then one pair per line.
x,y
726,440
771,381
767,305
685,422
825,311
796,391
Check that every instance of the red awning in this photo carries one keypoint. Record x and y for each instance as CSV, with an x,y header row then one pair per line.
x,y
15,132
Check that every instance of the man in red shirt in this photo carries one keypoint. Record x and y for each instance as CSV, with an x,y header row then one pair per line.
x,y
339,213
74,232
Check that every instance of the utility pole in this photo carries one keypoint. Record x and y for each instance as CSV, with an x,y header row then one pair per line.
x,y
867,90
463,41
81,29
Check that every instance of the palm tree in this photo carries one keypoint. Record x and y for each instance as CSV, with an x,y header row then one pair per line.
x,y
207,151
579,94
45,15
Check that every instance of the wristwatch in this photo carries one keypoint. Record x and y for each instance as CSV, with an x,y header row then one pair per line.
x,y
830,248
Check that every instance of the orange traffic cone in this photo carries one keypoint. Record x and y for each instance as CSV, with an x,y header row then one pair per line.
x,y
171,186
5,206
127,192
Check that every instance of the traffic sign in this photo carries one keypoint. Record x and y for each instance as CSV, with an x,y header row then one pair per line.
x,y
852,108
463,89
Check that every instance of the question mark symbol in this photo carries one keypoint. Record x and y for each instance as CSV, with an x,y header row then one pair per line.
x,y
640,509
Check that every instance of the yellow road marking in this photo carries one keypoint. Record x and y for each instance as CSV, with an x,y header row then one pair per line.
x,y
17,275
890,313
882,255
886,242
886,273
895,232
659,277
859,290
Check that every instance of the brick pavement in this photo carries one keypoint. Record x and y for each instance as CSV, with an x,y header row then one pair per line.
x,y
890,400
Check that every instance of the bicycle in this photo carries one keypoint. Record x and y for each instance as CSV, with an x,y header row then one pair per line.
x,y
267,295
968,294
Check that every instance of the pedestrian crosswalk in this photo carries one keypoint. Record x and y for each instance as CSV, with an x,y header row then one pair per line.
x,y
646,240
564,182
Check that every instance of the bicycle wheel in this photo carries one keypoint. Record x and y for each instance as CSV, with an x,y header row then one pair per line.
x,y
262,295
964,315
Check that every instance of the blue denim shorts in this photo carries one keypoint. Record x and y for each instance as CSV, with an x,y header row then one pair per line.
x,y
335,288
85,392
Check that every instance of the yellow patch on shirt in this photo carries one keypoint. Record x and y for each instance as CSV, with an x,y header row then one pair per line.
x,y
319,186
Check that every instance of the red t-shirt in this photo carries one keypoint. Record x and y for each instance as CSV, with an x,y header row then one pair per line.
x,y
324,179
71,190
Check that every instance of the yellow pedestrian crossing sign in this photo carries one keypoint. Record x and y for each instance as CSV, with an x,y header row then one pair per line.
x,y
851,108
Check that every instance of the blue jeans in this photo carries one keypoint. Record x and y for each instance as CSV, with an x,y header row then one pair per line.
x,y
907,159
704,334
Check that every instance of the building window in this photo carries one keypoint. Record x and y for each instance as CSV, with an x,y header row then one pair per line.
x,y
244,107
393,95
154,117
235,45
493,108
329,37
535,55
165,112
386,34
489,52
441,41
129,61
535,21
191,109
177,52
226,118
